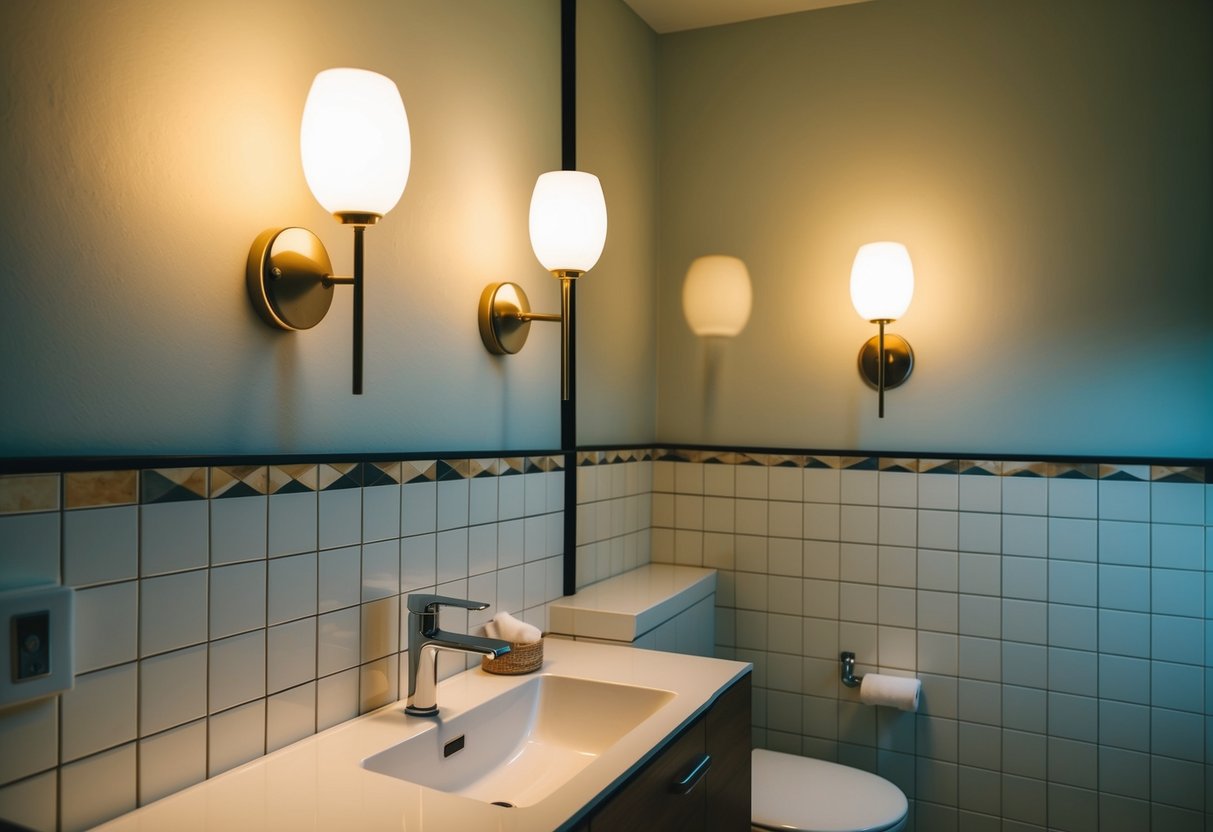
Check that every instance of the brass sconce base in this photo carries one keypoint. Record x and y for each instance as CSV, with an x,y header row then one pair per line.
x,y
289,278
504,318
898,361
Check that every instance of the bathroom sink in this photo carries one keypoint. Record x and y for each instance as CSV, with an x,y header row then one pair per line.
x,y
522,745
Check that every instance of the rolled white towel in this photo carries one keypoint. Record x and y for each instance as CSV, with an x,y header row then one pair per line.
x,y
490,629
512,630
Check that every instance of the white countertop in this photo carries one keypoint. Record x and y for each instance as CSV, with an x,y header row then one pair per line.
x,y
629,605
319,783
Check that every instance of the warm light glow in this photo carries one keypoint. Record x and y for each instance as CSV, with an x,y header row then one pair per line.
x,y
882,281
568,220
354,141
716,296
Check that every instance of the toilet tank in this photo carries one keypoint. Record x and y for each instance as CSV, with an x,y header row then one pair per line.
x,y
657,606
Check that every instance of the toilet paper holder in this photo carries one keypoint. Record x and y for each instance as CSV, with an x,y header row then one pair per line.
x,y
848,670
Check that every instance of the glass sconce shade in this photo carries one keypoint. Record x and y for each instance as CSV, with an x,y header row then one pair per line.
x,y
882,281
354,141
568,220
716,295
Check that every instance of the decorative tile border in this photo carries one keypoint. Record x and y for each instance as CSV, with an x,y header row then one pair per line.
x,y
240,481
293,479
93,489
172,485
27,493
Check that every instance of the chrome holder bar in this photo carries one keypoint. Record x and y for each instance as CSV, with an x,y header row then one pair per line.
x,y
848,670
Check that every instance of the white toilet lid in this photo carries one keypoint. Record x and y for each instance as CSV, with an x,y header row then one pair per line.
x,y
793,792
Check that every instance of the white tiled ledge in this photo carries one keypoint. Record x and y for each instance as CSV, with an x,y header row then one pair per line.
x,y
627,606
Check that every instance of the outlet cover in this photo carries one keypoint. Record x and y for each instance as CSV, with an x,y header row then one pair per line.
x,y
37,632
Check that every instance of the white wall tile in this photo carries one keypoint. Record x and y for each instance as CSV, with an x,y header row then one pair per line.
x,y
980,658
1177,639
173,611
751,517
1025,535
380,628
510,591
1073,627
339,577
1073,582
822,485
482,548
554,487
1178,734
980,532
32,727
1124,500
719,480
237,670
822,521
1172,502
336,698
1025,578
107,625
1025,621
858,487
340,517
453,503
380,569
237,598
752,481
980,492
1124,588
1177,687
1124,725
290,716
292,588
978,615
511,497
898,566
418,508
171,761
239,529
1126,633
291,654
939,491
1025,495
172,689
1073,539
482,500
938,570
338,640
293,520
1176,547
785,483
378,683
97,788
235,737
174,537
1025,666
452,555
29,549
1125,679
100,545
897,488
1124,543
418,562
381,512
860,524
938,611
1073,498
535,493
32,803
1177,592
897,607
979,574
100,712
898,526
938,529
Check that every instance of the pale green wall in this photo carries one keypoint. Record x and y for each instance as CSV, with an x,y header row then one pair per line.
x,y
1048,166
146,144
617,301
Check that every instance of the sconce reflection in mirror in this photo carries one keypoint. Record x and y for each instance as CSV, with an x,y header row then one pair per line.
x,y
716,296
354,142
568,231
882,284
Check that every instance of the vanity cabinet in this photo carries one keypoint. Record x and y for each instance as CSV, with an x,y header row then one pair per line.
x,y
719,801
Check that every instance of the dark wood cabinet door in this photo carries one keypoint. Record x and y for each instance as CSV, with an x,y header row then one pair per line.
x,y
728,741
649,800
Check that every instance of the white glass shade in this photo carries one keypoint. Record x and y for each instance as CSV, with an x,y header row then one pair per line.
x,y
882,281
716,295
354,141
568,220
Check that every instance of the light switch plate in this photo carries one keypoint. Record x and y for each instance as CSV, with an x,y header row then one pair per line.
x,y
46,662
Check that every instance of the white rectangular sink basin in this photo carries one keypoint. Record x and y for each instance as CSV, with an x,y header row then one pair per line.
x,y
522,745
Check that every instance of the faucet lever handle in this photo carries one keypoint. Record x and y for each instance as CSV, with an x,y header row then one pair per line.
x,y
425,604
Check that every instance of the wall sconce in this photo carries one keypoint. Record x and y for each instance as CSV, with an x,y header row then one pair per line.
x,y
568,230
354,142
716,296
882,284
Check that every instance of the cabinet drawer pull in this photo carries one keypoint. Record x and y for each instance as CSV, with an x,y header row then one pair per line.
x,y
692,777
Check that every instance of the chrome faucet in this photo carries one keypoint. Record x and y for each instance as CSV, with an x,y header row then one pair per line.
x,y
425,640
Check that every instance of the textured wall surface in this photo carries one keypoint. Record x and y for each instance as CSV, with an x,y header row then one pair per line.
x,y
1048,167
147,144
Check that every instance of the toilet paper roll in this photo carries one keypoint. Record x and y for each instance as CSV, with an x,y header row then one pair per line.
x,y
893,691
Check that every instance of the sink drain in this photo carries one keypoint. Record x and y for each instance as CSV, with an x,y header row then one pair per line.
x,y
504,803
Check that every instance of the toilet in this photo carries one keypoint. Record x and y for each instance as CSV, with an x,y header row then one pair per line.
x,y
790,792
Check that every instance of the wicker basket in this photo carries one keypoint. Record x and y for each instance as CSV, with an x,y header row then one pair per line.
x,y
522,658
